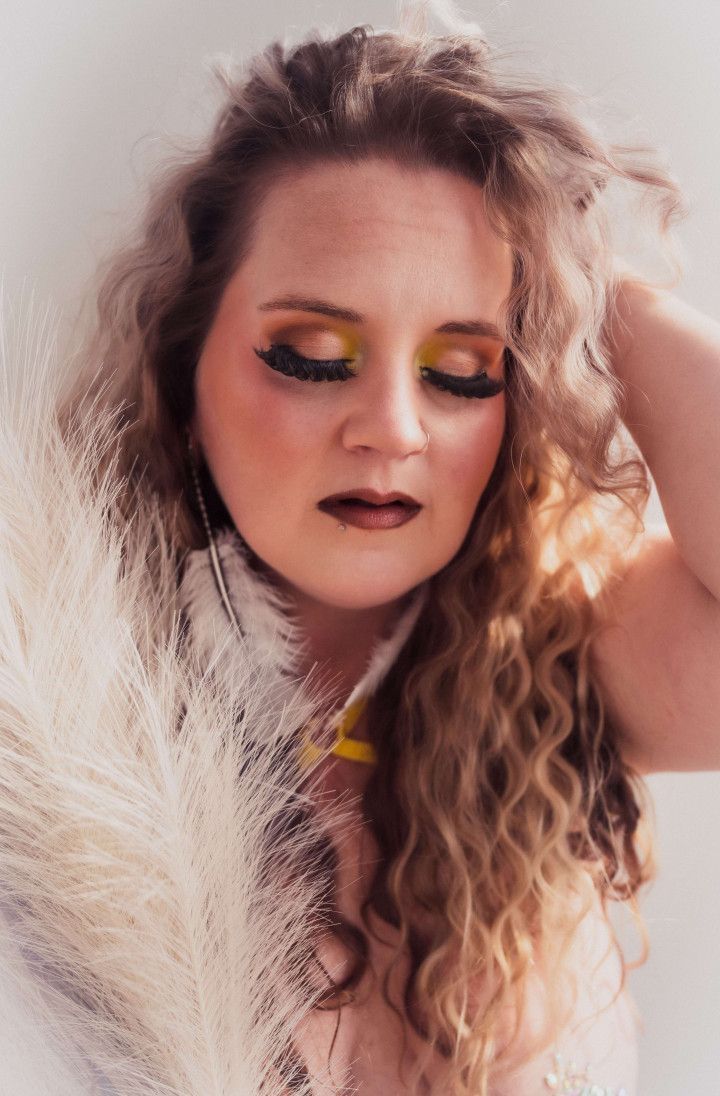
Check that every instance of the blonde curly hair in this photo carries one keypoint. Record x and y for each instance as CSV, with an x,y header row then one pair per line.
x,y
500,802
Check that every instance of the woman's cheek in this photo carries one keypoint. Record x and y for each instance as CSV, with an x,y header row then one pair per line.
x,y
287,427
472,453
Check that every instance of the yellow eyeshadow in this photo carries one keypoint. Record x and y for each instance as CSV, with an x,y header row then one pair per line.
x,y
432,350
350,345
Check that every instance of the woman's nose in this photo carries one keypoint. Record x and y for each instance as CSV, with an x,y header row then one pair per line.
x,y
385,413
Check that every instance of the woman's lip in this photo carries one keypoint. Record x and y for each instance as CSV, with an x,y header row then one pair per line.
x,y
369,494
365,516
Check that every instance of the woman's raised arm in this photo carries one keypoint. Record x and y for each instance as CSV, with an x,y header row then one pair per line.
x,y
659,667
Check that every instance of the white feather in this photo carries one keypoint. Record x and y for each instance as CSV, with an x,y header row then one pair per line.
x,y
141,944
145,942
273,641
274,637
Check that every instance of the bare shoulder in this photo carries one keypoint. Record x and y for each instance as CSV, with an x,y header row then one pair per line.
x,y
656,662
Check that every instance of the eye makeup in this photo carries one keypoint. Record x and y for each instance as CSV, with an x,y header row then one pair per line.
x,y
283,359
478,387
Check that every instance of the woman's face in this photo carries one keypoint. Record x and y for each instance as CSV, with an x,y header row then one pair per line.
x,y
363,262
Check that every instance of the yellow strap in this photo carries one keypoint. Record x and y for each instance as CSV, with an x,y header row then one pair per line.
x,y
354,749
350,718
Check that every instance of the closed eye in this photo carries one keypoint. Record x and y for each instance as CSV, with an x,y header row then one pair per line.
x,y
283,359
479,386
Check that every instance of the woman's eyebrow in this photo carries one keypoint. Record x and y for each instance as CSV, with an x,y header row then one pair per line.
x,y
482,328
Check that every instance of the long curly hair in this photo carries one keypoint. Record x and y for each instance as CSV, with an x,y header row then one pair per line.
x,y
501,804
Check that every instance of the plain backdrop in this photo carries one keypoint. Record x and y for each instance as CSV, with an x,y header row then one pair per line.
x,y
93,92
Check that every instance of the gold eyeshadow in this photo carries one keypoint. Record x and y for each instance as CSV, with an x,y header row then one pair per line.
x,y
435,348
285,355
351,349
284,359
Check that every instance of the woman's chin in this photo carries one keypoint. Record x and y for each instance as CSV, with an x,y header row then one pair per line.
x,y
352,595
340,576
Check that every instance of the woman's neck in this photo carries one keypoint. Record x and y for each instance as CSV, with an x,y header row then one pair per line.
x,y
341,641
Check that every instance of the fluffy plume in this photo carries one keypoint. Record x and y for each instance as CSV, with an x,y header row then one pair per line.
x,y
144,945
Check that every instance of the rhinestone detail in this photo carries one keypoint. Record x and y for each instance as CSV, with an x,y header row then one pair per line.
x,y
567,1080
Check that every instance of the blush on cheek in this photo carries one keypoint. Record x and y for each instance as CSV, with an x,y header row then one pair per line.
x,y
281,423
475,455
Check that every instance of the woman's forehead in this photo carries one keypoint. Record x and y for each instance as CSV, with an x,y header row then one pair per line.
x,y
363,233
370,199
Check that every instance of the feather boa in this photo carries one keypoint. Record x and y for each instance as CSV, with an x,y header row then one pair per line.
x,y
143,950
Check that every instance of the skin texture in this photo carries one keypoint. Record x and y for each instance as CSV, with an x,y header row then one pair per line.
x,y
409,251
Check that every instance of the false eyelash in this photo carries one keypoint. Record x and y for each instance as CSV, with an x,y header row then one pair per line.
x,y
478,387
285,360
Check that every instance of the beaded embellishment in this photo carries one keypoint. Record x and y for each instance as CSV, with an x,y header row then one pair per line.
x,y
567,1080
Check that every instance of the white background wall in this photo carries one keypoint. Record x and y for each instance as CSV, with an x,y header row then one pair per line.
x,y
90,90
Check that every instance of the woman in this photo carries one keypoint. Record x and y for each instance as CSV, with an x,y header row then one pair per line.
x,y
333,644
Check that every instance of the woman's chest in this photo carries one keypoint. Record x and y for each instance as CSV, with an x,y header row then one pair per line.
x,y
364,1048
359,1049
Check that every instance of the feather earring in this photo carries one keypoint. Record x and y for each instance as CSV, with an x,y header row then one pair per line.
x,y
215,561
